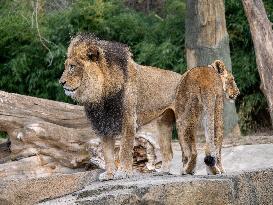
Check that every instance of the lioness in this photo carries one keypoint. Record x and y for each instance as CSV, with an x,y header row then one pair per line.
x,y
119,96
201,92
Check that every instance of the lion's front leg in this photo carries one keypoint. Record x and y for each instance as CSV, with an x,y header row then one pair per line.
x,y
108,146
126,152
128,134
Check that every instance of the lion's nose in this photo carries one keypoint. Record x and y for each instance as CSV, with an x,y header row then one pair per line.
x,y
62,82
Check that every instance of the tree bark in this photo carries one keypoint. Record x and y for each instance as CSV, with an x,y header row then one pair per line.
x,y
207,40
48,137
262,36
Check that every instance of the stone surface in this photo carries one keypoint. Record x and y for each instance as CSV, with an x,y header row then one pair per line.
x,y
238,186
235,158
33,190
254,187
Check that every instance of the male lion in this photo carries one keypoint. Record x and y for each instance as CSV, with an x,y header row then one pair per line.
x,y
201,92
119,96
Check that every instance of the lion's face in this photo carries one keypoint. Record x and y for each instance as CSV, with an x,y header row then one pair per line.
x,y
82,78
94,69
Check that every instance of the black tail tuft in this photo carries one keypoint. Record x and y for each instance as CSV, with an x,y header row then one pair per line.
x,y
210,161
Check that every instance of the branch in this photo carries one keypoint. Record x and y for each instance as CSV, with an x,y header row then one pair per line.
x,y
39,34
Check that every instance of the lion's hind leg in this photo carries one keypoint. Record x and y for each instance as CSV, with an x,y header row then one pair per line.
x,y
165,127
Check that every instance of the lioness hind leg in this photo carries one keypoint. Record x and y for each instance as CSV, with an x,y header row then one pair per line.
x,y
219,129
208,122
188,145
108,145
211,162
186,128
165,127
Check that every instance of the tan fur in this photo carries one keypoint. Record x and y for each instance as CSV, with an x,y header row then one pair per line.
x,y
201,93
147,93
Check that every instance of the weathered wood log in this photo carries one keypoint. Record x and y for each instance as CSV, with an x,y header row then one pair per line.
x,y
207,40
53,137
262,36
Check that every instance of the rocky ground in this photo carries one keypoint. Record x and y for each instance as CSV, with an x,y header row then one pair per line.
x,y
235,158
248,162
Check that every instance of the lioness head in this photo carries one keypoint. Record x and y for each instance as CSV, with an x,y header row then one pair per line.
x,y
229,85
94,68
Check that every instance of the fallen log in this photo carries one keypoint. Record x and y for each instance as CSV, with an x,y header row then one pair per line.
x,y
47,137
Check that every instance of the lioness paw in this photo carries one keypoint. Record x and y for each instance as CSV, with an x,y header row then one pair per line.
x,y
186,172
213,170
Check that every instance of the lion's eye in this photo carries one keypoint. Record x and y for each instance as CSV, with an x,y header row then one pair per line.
x,y
71,68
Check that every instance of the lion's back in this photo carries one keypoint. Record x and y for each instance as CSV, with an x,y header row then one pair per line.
x,y
156,87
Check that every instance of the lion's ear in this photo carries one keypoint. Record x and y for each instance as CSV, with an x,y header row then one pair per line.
x,y
219,66
93,55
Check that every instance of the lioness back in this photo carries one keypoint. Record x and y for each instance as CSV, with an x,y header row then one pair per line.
x,y
200,80
195,87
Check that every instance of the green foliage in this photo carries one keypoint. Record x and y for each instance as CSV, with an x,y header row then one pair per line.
x,y
251,104
3,135
157,40
25,60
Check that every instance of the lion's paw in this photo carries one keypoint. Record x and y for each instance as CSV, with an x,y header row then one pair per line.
x,y
105,176
165,168
122,174
161,172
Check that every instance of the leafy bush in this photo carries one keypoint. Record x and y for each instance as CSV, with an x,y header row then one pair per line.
x,y
25,59
251,104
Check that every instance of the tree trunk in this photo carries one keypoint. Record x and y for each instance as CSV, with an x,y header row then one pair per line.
x,y
207,40
47,137
262,36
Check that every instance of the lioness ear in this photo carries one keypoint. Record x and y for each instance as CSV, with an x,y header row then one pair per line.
x,y
219,66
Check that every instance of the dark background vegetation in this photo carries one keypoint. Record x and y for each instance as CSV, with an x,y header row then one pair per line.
x,y
31,64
